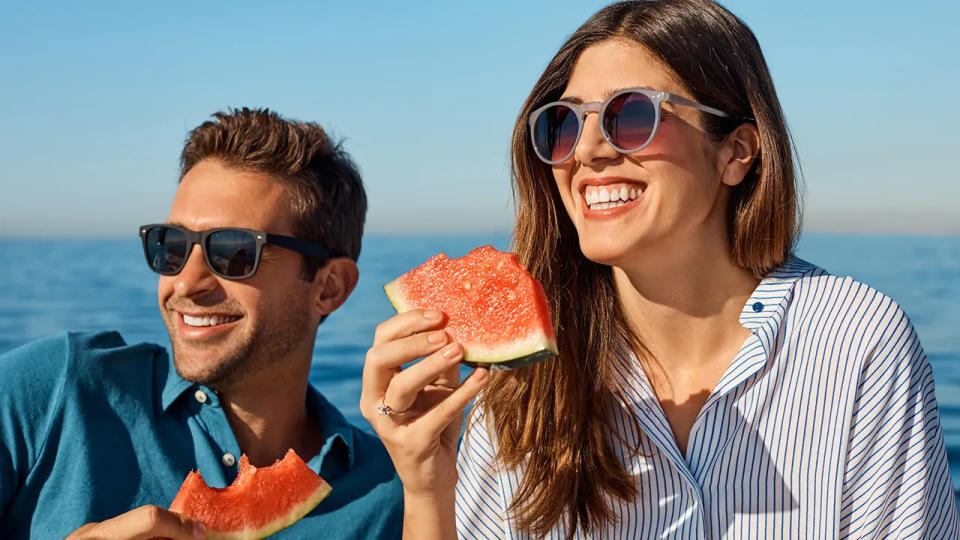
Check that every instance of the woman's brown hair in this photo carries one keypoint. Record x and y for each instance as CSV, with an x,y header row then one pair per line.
x,y
555,420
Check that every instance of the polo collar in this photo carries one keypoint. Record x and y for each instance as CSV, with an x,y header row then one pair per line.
x,y
173,385
337,433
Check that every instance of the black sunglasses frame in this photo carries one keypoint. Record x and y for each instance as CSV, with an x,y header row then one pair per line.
x,y
304,247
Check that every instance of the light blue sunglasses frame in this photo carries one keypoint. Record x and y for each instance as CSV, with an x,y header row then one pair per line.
x,y
656,97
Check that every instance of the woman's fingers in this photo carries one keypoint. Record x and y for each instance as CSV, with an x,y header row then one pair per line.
x,y
450,408
435,369
399,340
406,324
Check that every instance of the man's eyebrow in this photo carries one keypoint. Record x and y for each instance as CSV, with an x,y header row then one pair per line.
x,y
606,94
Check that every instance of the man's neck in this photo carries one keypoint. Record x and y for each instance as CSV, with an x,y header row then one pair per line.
x,y
268,414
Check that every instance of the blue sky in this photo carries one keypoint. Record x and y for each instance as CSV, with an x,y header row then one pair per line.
x,y
96,99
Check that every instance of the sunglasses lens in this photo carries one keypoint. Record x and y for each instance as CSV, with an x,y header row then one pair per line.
x,y
629,120
166,249
232,253
555,132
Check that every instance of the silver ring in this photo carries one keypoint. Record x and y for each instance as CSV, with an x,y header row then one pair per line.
x,y
383,408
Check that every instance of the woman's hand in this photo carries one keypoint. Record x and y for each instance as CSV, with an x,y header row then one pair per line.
x,y
426,399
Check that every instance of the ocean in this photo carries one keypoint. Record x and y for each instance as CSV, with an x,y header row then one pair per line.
x,y
49,286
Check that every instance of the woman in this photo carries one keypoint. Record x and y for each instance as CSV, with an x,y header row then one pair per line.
x,y
708,383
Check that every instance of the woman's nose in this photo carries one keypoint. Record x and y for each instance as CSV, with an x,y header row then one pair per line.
x,y
592,146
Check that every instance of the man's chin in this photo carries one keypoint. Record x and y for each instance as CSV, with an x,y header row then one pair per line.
x,y
207,369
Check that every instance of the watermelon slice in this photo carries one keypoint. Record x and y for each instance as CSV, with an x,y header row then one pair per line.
x,y
494,307
259,503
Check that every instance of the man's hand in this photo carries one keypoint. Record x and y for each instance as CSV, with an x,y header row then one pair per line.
x,y
141,524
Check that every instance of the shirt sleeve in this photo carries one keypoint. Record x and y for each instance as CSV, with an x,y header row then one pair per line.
x,y
30,384
480,511
897,480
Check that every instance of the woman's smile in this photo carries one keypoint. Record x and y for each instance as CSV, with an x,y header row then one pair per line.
x,y
609,197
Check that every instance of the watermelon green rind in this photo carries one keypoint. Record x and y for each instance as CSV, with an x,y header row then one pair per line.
x,y
516,363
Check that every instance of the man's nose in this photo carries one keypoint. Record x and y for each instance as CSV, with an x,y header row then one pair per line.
x,y
195,277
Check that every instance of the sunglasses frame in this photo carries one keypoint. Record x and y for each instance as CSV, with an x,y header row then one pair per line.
x,y
304,247
600,107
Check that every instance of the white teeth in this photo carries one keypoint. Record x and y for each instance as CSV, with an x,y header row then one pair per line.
x,y
214,320
599,198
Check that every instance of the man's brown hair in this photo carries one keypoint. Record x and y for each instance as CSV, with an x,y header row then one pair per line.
x,y
325,193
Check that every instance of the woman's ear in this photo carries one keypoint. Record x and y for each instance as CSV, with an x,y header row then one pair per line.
x,y
738,152
332,284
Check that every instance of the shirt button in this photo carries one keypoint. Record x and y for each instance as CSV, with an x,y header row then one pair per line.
x,y
757,307
200,396
229,460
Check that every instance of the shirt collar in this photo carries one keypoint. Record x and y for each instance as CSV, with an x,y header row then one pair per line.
x,y
337,432
764,310
173,386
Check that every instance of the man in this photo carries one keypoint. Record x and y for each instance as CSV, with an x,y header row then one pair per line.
x,y
260,245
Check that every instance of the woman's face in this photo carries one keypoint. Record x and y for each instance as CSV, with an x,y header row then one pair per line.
x,y
680,201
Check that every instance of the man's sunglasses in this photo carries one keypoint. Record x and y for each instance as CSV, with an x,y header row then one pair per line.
x,y
628,120
230,253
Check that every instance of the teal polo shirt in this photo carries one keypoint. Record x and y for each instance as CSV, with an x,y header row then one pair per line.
x,y
91,427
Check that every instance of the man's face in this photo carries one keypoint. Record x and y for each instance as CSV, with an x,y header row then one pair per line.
x,y
226,331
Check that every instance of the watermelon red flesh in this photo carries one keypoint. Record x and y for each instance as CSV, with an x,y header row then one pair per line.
x,y
260,502
494,308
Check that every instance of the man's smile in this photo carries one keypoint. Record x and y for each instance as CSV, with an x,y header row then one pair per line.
x,y
204,325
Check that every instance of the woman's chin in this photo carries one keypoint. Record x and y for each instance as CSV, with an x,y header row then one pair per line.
x,y
610,251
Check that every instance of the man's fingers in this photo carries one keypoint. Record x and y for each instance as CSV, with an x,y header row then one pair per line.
x,y
407,324
141,524
448,410
404,387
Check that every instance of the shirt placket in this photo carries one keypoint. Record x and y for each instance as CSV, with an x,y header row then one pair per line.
x,y
213,420
684,508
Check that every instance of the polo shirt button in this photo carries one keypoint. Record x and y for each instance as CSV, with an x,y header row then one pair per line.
x,y
757,307
229,460
200,396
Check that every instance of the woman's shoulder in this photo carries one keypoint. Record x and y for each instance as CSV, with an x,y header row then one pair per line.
x,y
840,305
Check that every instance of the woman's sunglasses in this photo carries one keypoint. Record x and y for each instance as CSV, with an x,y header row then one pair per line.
x,y
628,120
230,253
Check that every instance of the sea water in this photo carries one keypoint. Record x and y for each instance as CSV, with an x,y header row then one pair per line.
x,y
50,286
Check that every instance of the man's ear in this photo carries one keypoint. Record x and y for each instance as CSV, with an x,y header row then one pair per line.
x,y
332,284
738,153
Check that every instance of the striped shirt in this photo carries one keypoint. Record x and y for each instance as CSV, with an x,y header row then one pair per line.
x,y
825,425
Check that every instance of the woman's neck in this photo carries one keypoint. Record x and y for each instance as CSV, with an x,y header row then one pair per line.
x,y
685,302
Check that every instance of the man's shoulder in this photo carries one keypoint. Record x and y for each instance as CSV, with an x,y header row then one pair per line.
x,y
41,367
